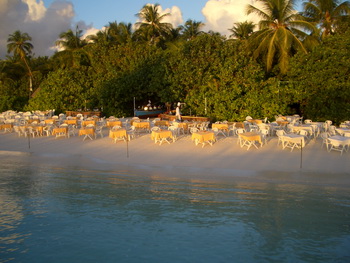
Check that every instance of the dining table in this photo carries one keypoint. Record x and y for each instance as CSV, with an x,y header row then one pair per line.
x,y
87,132
203,137
161,136
6,127
239,125
183,126
61,131
293,140
220,126
111,124
118,135
48,121
306,127
162,123
30,121
341,140
71,122
143,125
39,129
255,121
87,122
249,139
342,131
282,123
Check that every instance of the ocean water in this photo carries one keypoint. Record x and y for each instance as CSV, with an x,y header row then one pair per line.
x,y
51,214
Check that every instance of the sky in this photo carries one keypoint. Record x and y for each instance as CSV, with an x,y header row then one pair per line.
x,y
44,20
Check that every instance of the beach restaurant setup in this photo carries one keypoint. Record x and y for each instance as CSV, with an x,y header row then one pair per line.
x,y
291,132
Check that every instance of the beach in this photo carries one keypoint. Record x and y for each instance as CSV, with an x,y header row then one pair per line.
x,y
225,160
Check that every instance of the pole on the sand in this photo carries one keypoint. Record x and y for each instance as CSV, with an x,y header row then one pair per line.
x,y
29,141
127,146
301,154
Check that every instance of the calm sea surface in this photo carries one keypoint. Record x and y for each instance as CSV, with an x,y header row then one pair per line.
x,y
52,215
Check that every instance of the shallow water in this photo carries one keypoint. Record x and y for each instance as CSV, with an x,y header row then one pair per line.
x,y
49,214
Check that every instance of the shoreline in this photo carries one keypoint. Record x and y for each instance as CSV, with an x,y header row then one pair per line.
x,y
224,161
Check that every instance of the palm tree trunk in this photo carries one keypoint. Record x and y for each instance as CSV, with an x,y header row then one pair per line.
x,y
30,76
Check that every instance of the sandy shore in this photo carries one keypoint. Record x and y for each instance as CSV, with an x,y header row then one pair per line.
x,y
182,159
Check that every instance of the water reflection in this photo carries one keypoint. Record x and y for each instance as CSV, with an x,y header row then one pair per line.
x,y
256,221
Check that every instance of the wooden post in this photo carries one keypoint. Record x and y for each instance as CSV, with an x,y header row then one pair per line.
x,y
127,146
29,141
301,154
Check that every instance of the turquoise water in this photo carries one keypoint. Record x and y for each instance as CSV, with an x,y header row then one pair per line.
x,y
49,214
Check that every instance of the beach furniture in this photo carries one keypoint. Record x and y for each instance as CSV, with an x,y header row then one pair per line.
x,y
142,126
292,141
118,134
338,143
203,137
88,132
160,136
60,132
250,139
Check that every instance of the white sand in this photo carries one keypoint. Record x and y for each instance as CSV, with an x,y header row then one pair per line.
x,y
182,159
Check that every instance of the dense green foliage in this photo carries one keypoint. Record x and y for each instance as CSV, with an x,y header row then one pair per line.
x,y
322,80
213,76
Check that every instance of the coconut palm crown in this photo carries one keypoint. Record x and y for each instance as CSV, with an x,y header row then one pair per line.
x,y
19,45
281,32
328,14
151,26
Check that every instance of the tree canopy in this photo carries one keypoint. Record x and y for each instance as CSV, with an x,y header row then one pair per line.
x,y
259,73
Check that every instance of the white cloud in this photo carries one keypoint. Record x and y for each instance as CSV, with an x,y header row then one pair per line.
x,y
36,11
220,15
66,11
175,17
43,24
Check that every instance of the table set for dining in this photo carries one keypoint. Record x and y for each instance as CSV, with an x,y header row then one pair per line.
x,y
339,143
71,122
220,126
142,125
118,134
292,141
88,132
250,139
162,136
112,123
203,137
60,131
7,127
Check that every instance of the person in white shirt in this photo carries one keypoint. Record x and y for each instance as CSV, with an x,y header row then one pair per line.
x,y
178,112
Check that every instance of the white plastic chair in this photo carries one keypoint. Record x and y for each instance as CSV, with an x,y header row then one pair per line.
x,y
280,134
217,132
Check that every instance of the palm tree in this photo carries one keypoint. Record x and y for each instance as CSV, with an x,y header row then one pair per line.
x,y
191,29
70,40
101,37
280,33
242,30
120,33
328,14
151,26
19,45
72,44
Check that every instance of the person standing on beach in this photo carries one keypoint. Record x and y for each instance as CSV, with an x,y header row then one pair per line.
x,y
177,112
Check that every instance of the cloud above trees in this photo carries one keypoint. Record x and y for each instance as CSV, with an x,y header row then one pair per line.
x,y
44,24
220,15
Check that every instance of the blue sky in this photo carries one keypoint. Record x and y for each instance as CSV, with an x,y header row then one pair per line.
x,y
45,20
100,12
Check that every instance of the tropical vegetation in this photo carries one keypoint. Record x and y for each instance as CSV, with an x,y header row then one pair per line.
x,y
294,63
